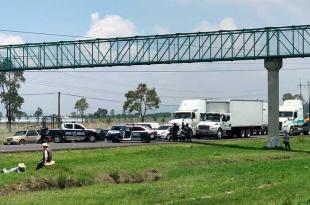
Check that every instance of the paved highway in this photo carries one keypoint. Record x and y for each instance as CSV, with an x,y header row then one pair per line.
x,y
87,145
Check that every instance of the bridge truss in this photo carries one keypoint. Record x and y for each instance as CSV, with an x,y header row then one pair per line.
x,y
246,44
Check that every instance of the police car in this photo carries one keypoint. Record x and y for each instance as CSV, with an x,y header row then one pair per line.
x,y
73,132
132,133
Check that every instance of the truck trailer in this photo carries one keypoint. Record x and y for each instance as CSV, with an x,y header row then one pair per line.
x,y
241,118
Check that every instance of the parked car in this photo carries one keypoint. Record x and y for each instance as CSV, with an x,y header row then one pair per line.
x,y
115,129
23,137
163,131
73,132
306,128
132,133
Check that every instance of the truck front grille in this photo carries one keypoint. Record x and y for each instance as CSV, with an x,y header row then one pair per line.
x,y
204,127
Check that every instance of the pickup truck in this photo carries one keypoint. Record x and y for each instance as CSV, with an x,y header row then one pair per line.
x,y
72,132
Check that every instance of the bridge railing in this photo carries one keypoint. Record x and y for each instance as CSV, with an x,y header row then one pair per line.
x,y
246,44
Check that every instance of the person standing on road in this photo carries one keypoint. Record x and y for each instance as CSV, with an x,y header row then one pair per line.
x,y
43,133
47,157
189,133
175,130
286,140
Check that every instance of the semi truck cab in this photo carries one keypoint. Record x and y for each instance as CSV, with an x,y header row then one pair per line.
x,y
189,112
214,124
291,117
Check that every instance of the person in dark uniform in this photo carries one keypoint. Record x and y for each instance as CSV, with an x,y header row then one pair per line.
x,y
189,133
43,134
286,140
184,132
47,157
175,129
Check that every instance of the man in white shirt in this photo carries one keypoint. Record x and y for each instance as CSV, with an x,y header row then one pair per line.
x,y
47,157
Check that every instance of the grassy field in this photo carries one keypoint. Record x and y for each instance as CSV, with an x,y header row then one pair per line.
x,y
217,172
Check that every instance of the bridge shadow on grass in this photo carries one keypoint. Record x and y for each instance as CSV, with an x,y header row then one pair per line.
x,y
242,147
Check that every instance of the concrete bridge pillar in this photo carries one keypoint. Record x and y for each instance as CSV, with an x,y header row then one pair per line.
x,y
273,66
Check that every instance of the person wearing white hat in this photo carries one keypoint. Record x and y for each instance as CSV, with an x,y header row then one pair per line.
x,y
47,157
21,167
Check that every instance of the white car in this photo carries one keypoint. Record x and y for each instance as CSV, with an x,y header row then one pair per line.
x,y
163,131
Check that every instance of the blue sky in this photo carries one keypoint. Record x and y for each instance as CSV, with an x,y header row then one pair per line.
x,y
102,18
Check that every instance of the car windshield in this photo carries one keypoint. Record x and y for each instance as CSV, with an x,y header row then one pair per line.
x,y
164,127
286,114
183,115
118,128
20,133
211,117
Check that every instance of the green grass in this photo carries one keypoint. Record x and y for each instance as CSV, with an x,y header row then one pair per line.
x,y
219,172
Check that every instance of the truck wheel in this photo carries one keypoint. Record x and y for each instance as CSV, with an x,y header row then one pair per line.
x,y
248,133
22,142
259,132
57,139
115,140
92,138
265,132
291,131
242,133
219,134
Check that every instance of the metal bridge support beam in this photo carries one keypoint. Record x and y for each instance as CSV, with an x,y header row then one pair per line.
x,y
273,66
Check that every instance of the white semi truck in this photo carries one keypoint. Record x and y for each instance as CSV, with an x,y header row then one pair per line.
x,y
291,116
233,118
189,112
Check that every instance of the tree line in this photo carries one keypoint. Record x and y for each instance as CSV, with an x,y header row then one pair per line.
x,y
138,101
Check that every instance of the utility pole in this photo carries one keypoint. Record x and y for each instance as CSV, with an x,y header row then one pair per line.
x,y
300,86
58,116
308,84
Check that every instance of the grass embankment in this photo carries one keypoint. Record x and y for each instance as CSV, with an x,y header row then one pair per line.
x,y
219,172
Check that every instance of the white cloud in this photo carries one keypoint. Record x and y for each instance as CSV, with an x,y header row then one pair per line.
x,y
10,39
160,30
110,26
225,24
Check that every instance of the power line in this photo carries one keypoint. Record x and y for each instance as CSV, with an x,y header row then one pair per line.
x,y
30,94
43,33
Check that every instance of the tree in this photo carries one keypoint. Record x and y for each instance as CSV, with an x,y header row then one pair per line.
x,y
38,113
289,96
81,106
101,113
112,112
73,114
10,82
141,100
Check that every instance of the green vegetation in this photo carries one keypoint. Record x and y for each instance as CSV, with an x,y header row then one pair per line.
x,y
216,172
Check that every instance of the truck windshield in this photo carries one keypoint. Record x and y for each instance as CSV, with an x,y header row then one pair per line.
x,y
183,115
286,114
212,117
